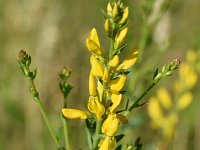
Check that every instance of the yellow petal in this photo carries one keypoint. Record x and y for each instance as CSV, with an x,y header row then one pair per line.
x,y
93,44
120,37
107,26
114,62
164,98
110,125
97,67
115,10
96,107
100,90
116,99
92,85
109,9
117,84
108,143
129,61
184,101
74,113
125,16
106,76
154,109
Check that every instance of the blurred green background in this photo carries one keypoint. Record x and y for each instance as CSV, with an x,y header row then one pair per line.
x,y
54,33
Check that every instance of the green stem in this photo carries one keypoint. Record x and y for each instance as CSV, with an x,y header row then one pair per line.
x,y
41,108
136,104
42,111
111,48
97,132
65,127
89,137
65,124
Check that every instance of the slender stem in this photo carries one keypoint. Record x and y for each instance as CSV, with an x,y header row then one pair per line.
x,y
98,131
89,136
140,98
41,108
42,111
65,128
111,48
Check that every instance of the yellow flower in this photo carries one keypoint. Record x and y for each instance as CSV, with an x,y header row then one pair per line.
x,y
107,144
110,125
107,26
129,61
184,101
164,98
114,62
125,16
96,107
100,90
97,67
106,76
92,85
74,113
109,9
154,109
120,37
93,44
115,10
117,84
116,99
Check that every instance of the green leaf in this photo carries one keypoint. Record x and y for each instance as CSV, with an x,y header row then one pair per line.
x,y
155,73
137,145
122,92
59,133
120,49
118,147
91,125
119,137
60,148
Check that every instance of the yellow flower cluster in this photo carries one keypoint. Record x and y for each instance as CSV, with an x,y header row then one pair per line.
x,y
163,111
107,76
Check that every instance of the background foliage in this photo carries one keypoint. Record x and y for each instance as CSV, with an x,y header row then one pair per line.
x,y
54,33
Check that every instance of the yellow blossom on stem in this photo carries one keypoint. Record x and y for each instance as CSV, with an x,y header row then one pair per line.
x,y
115,10
106,76
129,61
74,113
125,16
93,43
119,39
92,85
117,84
96,107
116,100
110,125
114,61
100,90
107,144
106,25
109,9
97,67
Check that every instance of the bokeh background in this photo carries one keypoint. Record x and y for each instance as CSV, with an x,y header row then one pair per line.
x,y
54,33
